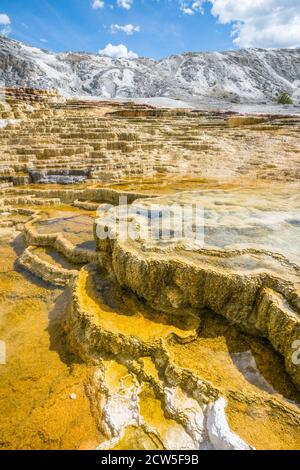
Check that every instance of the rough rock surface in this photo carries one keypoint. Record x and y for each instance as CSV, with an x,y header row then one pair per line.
x,y
255,75
68,141
134,345
190,361
238,256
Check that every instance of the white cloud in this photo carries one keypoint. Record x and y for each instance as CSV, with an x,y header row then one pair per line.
x,y
5,22
117,52
255,23
128,29
193,7
4,19
186,10
43,40
127,4
97,4
261,23
197,6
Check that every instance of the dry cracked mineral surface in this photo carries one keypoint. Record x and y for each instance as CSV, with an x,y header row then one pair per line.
x,y
163,338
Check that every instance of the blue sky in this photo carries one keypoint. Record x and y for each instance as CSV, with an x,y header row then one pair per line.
x,y
152,28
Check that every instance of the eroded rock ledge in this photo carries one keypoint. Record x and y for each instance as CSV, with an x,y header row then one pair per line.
x,y
254,287
132,344
141,313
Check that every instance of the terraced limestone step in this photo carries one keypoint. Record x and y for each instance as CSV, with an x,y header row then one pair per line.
x,y
239,258
183,345
56,133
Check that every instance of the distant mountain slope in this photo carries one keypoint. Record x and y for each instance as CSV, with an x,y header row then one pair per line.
x,y
252,75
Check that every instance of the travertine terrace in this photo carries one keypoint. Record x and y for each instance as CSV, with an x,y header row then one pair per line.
x,y
147,344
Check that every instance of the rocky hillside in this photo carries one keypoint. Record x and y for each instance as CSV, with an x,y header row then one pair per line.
x,y
253,75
